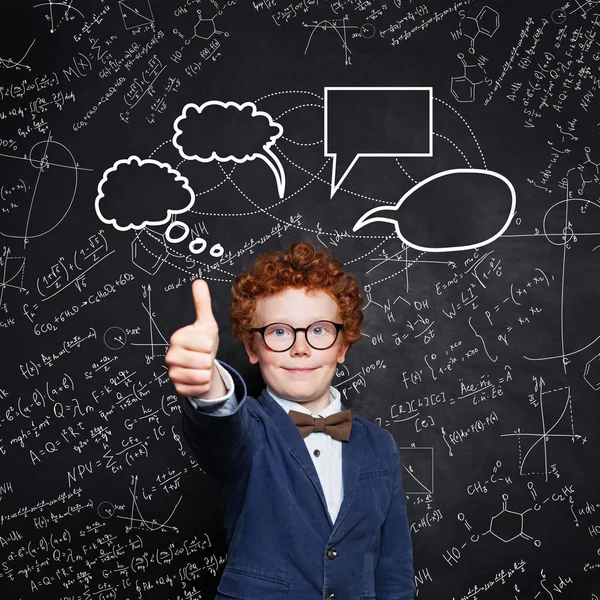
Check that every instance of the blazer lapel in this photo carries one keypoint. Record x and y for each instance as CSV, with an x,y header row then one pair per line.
x,y
352,451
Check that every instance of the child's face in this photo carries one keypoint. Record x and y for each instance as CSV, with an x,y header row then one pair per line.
x,y
301,373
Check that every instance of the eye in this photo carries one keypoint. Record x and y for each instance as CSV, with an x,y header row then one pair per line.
x,y
321,328
278,331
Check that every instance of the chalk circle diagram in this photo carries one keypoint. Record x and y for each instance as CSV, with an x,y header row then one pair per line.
x,y
136,193
228,131
115,338
57,179
106,510
386,214
367,30
55,19
559,16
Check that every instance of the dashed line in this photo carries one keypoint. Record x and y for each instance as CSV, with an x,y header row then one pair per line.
x,y
468,127
290,92
160,146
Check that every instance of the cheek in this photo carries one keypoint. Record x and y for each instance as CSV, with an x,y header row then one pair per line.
x,y
268,359
331,357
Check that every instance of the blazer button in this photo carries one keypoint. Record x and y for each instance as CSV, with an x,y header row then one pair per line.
x,y
330,596
331,554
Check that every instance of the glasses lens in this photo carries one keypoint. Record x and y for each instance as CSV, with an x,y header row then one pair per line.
x,y
321,335
279,336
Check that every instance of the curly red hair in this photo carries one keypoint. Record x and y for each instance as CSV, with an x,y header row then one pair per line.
x,y
300,266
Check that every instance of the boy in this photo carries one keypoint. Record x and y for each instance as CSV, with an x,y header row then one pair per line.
x,y
311,496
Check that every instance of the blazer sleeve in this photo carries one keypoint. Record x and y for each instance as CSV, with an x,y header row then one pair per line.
x,y
394,574
223,444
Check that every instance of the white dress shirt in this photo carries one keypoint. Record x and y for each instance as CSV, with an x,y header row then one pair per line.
x,y
325,452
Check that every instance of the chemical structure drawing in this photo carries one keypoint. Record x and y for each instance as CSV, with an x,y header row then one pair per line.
x,y
387,307
588,170
463,87
487,22
508,525
149,250
205,29
591,373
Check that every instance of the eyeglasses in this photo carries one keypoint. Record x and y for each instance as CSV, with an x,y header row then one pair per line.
x,y
280,337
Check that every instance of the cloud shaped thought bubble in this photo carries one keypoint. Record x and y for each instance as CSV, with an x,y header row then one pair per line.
x,y
228,131
476,191
135,193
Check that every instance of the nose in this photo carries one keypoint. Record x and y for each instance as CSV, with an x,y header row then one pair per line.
x,y
301,346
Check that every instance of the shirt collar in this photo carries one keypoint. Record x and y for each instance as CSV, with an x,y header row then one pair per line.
x,y
335,403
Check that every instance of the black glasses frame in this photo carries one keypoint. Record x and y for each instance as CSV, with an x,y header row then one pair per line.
x,y
261,330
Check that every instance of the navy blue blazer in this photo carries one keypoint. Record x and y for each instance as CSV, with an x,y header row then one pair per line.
x,y
281,542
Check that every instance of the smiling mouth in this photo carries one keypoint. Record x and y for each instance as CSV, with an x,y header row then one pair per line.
x,y
301,370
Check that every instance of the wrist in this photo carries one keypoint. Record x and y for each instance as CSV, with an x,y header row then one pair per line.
x,y
217,385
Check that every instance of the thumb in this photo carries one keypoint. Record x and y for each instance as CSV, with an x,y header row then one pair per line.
x,y
202,304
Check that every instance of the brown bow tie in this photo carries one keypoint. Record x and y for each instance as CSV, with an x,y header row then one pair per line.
x,y
337,426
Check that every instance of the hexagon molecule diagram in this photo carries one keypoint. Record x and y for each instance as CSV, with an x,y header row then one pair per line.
x,y
591,373
206,28
588,171
463,87
507,525
486,22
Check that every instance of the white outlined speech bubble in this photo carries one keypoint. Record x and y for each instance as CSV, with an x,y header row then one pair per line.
x,y
379,214
408,106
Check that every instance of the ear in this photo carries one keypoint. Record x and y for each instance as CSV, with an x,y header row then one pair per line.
x,y
252,355
342,352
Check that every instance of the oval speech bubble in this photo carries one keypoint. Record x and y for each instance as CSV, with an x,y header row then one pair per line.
x,y
379,214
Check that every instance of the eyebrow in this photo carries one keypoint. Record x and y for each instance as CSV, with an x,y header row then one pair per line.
x,y
309,323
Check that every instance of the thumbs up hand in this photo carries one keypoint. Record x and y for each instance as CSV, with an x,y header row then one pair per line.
x,y
193,348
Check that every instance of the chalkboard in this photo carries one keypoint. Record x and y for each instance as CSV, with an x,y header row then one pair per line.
x,y
447,152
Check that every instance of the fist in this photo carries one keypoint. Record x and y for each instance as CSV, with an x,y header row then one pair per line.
x,y
193,348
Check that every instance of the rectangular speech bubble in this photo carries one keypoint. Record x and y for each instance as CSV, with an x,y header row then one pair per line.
x,y
375,122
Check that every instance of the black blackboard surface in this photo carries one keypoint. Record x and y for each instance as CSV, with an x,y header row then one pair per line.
x,y
449,154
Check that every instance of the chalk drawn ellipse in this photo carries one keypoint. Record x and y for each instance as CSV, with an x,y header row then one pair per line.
x,y
52,187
